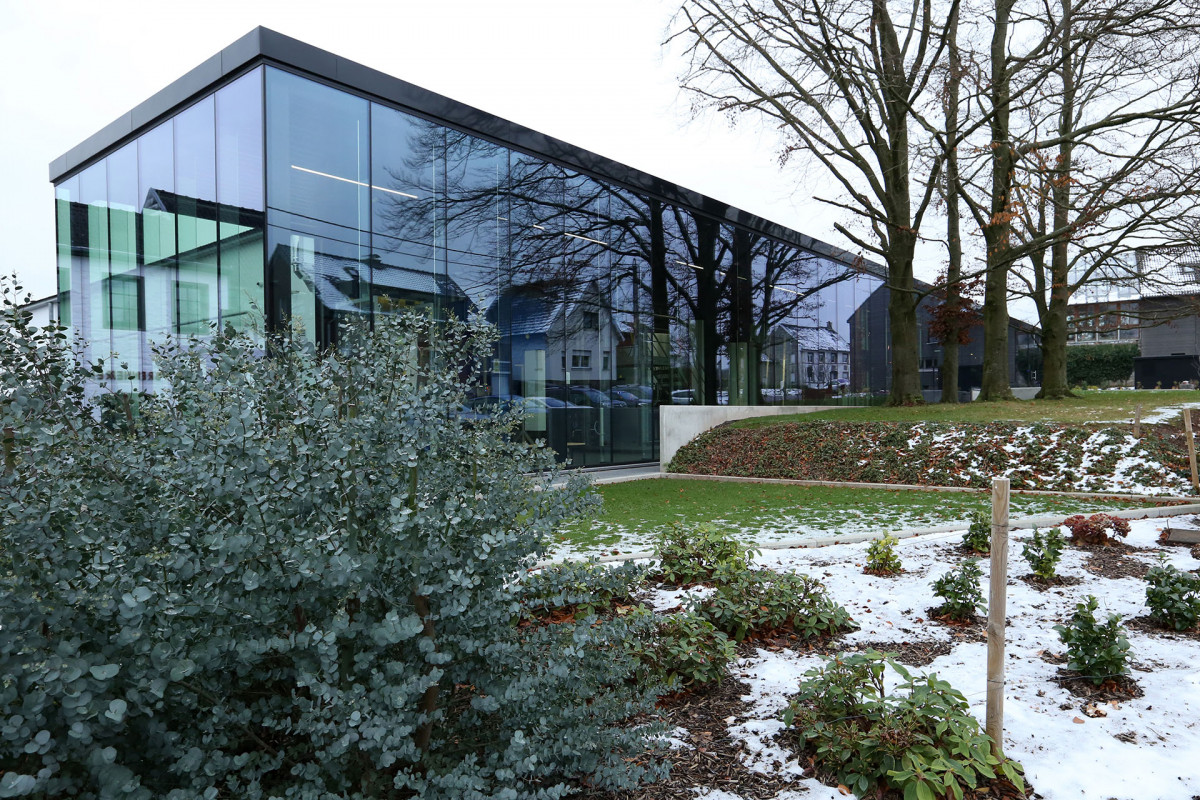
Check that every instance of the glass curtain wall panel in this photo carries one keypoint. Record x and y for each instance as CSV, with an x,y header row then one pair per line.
x,y
196,289
625,229
318,157
474,264
682,275
157,207
407,213
67,228
124,309
90,289
240,207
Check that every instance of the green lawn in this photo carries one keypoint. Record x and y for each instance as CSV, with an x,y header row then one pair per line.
x,y
1089,407
759,512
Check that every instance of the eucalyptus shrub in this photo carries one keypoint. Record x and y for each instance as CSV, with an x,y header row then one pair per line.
x,y
587,586
291,575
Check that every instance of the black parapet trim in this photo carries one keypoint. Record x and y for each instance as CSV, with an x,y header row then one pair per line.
x,y
263,45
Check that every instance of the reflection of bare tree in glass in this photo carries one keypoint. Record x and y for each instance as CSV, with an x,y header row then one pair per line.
x,y
513,223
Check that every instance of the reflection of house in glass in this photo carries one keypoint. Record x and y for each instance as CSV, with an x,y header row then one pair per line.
x,y
283,182
803,357
550,340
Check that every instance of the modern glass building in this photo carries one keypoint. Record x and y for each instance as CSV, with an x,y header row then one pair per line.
x,y
279,183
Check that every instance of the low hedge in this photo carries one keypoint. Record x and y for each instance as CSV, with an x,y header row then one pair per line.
x,y
1039,456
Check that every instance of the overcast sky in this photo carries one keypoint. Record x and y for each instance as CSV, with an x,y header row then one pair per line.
x,y
591,72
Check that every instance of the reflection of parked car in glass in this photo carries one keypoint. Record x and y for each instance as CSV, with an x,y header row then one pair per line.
x,y
682,397
534,405
628,398
640,391
586,395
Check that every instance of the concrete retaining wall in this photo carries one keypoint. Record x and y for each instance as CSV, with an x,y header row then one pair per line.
x,y
678,425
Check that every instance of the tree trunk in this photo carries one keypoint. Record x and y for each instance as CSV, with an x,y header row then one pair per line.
x,y
901,236
950,346
1054,348
902,316
998,230
1054,326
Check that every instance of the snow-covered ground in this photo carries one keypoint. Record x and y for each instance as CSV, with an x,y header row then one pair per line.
x,y
1066,754
1167,413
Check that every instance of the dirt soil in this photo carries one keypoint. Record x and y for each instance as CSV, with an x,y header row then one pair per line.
x,y
711,758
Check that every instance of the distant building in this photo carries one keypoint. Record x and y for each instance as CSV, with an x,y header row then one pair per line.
x,y
870,367
1151,299
44,311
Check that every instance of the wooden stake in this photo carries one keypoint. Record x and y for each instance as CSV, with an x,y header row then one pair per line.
x,y
1137,422
1191,443
997,612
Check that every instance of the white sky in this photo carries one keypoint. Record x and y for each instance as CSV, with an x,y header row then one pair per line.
x,y
591,72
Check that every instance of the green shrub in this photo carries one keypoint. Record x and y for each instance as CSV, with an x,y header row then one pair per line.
x,y
920,741
586,585
689,554
292,575
683,650
1095,650
1043,552
978,538
1096,529
1100,363
882,558
1173,597
763,600
960,592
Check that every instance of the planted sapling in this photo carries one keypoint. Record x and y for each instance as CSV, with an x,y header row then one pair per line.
x,y
960,592
978,537
882,558
1043,551
1173,597
1096,650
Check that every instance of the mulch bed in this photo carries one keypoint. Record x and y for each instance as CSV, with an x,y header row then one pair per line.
x,y
968,630
1145,624
1113,562
786,638
914,654
712,758
1119,689
1053,583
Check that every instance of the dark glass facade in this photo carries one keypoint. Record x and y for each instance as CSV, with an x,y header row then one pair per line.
x,y
279,196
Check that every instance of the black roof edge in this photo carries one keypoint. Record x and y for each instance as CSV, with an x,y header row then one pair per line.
x,y
264,44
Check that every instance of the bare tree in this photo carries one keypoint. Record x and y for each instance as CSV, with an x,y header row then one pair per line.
x,y
1103,192
1072,69
842,79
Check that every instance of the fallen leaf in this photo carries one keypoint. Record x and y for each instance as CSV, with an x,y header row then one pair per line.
x,y
843,789
1094,711
1077,721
